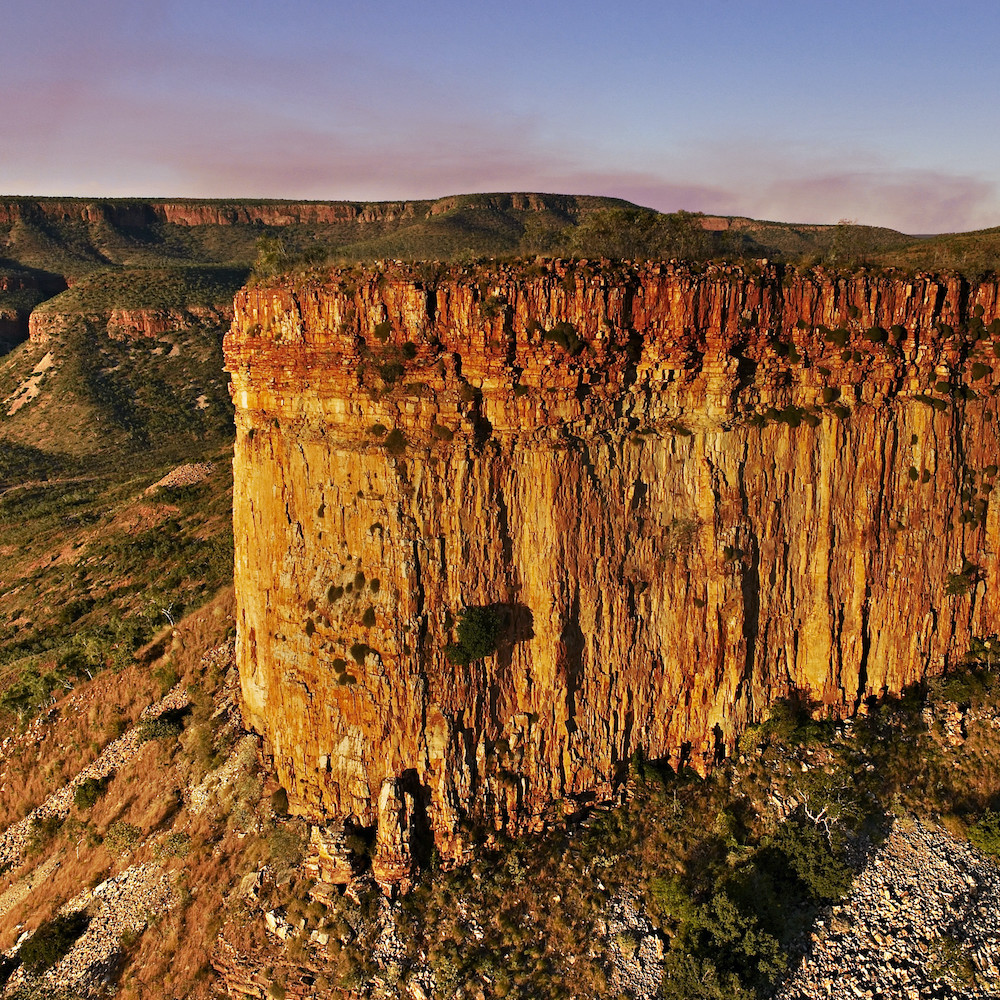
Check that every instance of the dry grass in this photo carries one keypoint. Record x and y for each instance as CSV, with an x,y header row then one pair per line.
x,y
145,793
65,740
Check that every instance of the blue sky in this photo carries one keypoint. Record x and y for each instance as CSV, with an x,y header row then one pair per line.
x,y
883,112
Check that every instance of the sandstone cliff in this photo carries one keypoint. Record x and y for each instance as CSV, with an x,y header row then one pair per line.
x,y
690,494
128,324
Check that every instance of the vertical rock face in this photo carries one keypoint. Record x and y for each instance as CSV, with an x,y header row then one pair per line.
x,y
688,495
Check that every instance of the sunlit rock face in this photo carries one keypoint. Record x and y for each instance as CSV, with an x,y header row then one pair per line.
x,y
689,494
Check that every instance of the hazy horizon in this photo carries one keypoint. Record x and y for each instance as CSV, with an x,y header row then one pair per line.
x,y
783,111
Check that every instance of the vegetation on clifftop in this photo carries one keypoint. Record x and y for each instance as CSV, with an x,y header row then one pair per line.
x,y
161,288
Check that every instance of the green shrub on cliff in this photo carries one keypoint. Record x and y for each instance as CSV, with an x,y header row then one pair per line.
x,y
564,334
395,442
478,631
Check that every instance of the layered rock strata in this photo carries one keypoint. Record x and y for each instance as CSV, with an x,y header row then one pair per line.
x,y
688,495
128,324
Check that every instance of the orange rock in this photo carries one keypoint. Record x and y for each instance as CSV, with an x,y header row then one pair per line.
x,y
129,324
690,494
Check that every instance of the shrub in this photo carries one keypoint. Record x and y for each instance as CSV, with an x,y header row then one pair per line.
x,y
961,583
491,306
52,941
789,720
42,831
564,334
378,430
166,676
479,630
395,442
985,834
122,837
159,729
74,610
175,845
791,415
809,854
966,688
390,372
368,618
89,791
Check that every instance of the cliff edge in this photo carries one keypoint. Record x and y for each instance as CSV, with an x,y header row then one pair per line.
x,y
684,494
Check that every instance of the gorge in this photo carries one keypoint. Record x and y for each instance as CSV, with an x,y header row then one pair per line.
x,y
687,493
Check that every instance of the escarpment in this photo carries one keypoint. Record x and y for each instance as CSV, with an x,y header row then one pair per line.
x,y
137,213
128,324
685,494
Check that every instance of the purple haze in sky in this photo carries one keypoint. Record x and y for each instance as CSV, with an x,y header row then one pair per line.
x,y
882,112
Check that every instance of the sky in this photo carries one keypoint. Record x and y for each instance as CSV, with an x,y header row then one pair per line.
x,y
881,112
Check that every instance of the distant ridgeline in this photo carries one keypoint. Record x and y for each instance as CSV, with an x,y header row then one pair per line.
x,y
499,528
48,243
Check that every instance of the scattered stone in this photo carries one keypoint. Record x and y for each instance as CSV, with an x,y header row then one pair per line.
x,y
922,920
184,475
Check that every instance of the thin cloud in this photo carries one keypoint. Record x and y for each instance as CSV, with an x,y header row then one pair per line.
x,y
913,201
76,137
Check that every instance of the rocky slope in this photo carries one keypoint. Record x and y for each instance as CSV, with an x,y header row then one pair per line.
x,y
689,495
921,920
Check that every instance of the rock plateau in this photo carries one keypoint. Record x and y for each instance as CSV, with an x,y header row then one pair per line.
x,y
689,494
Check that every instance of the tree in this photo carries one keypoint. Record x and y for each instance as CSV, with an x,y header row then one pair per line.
x,y
271,257
639,234
852,244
